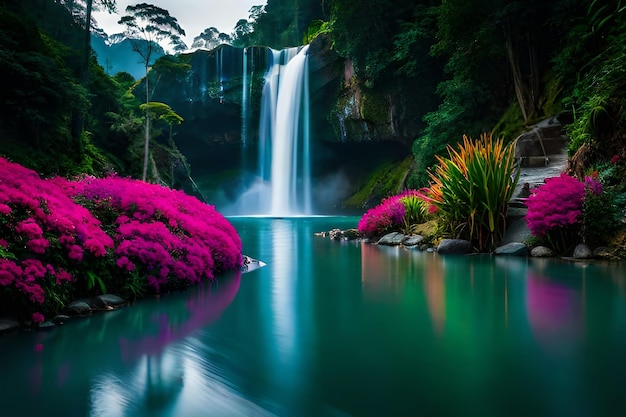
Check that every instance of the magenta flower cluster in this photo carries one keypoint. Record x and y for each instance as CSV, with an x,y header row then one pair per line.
x,y
558,203
385,217
44,233
52,234
161,233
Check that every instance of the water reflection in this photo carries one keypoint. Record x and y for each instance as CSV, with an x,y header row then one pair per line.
x,y
555,310
333,328
118,359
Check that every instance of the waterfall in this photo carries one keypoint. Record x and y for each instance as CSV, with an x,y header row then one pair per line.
x,y
282,182
245,98
284,134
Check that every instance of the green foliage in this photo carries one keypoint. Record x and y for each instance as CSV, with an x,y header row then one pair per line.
x,y
415,211
472,188
279,23
511,124
602,216
316,28
591,69
384,181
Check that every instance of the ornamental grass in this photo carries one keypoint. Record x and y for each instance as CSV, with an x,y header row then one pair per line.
x,y
471,189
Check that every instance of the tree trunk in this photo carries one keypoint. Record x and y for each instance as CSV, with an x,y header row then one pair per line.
x,y
517,77
146,148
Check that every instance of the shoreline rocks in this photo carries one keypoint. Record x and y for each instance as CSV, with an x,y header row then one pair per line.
x,y
464,247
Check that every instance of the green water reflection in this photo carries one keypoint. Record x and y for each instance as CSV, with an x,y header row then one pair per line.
x,y
333,328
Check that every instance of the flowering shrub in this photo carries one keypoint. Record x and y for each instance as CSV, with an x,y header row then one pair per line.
x,y
124,236
46,241
164,235
555,205
563,210
397,212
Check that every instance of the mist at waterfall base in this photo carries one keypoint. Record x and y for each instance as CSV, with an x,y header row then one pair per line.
x,y
258,137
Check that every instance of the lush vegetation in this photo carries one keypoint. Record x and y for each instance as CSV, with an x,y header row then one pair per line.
x,y
566,211
63,240
396,213
471,190
61,116
469,196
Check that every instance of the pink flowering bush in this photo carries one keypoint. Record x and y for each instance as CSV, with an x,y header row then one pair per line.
x,y
559,210
123,237
394,213
47,241
555,205
164,239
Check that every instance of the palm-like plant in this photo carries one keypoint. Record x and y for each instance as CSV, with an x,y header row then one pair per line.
x,y
471,190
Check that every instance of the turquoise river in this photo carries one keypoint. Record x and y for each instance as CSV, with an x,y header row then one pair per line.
x,y
340,328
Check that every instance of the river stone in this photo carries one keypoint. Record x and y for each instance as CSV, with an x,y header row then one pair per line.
x,y
541,252
413,240
8,325
106,302
454,247
61,318
335,234
582,251
47,325
517,231
351,234
602,252
512,249
392,239
77,308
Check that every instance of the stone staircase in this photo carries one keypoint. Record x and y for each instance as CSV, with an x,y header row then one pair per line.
x,y
542,153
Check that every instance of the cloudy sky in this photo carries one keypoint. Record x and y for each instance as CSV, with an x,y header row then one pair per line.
x,y
193,15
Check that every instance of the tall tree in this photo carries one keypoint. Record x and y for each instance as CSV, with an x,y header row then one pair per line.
x,y
108,5
146,26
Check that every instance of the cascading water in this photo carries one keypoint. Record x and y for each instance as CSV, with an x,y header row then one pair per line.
x,y
245,98
283,179
284,135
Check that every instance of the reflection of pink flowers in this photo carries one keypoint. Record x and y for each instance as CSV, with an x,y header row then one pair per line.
x,y
553,310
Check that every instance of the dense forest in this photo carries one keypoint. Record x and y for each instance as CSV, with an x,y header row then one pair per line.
x,y
460,67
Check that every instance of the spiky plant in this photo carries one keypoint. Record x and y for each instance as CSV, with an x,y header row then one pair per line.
x,y
471,190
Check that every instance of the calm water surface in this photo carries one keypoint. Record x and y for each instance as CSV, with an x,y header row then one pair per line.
x,y
340,329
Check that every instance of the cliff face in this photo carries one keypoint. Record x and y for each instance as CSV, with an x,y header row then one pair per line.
x,y
353,112
353,130
211,99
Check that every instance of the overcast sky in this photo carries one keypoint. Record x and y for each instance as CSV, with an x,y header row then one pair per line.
x,y
193,15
